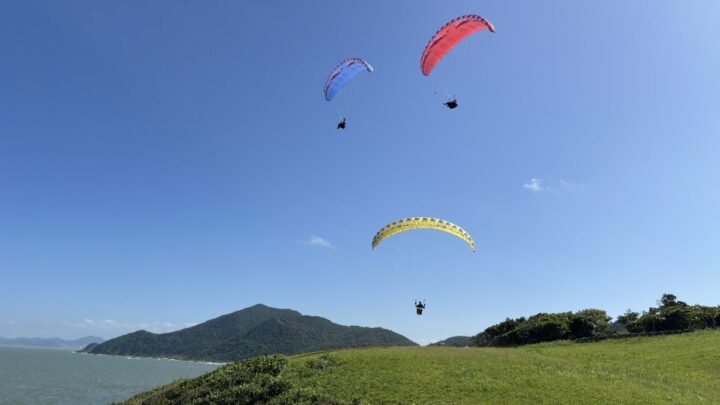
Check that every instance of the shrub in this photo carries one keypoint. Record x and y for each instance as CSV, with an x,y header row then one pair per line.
x,y
589,322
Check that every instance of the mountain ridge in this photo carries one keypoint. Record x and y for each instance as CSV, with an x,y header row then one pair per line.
x,y
249,332
53,342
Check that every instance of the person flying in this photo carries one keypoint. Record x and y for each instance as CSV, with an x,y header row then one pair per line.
x,y
419,306
451,104
342,124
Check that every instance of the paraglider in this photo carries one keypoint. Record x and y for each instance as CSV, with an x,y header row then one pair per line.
x,y
412,223
340,76
446,38
419,307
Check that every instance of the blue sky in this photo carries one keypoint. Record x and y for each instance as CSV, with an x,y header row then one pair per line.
x,y
163,163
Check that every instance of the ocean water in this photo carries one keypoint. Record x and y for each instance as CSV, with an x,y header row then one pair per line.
x,y
53,376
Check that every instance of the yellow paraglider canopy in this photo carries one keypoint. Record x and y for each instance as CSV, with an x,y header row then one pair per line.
x,y
407,224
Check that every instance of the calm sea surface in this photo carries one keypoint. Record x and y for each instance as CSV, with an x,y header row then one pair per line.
x,y
51,376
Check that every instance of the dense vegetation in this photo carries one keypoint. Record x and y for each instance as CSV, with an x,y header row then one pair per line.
x,y
247,333
671,315
250,381
544,328
678,369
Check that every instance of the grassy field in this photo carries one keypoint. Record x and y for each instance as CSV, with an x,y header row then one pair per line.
x,y
676,369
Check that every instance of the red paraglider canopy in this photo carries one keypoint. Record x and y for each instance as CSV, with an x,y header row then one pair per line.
x,y
448,36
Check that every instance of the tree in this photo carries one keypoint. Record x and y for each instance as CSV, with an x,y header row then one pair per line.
x,y
589,322
670,300
489,337
630,321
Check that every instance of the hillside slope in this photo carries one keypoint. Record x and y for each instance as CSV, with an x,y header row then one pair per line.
x,y
455,341
247,333
677,369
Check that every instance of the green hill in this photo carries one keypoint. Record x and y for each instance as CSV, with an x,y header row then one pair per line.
x,y
455,341
247,333
675,369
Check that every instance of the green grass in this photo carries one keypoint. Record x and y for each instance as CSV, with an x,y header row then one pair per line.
x,y
676,369
668,369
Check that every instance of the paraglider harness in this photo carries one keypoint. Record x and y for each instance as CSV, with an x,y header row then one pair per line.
x,y
419,306
452,104
342,124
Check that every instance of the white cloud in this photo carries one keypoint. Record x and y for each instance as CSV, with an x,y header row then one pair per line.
x,y
318,241
534,185
537,185
569,186
112,325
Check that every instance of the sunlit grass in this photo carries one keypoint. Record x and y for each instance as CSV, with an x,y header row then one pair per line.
x,y
667,369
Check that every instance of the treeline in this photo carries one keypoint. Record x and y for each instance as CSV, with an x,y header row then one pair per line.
x,y
544,328
671,314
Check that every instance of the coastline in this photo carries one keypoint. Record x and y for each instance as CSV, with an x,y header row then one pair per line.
x,y
133,357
